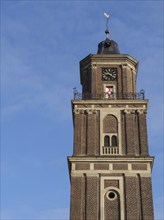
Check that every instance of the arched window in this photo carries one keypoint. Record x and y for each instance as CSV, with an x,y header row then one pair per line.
x,y
114,141
106,141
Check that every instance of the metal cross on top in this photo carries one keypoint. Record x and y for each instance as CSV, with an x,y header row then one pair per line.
x,y
107,30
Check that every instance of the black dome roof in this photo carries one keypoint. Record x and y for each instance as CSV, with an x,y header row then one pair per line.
x,y
108,47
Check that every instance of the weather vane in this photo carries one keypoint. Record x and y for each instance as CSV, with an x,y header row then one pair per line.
x,y
107,30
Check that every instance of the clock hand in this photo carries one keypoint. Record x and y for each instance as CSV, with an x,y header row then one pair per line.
x,y
110,74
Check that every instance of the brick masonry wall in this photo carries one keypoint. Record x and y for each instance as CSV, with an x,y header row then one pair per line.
x,y
86,82
90,134
86,133
129,134
143,134
111,208
119,82
97,133
77,198
92,198
77,134
138,198
147,200
93,145
123,136
131,195
136,135
128,82
83,135
139,202
134,80
124,81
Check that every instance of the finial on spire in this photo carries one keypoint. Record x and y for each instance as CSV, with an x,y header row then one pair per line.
x,y
107,30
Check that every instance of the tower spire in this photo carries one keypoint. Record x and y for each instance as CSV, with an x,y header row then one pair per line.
x,y
107,30
107,46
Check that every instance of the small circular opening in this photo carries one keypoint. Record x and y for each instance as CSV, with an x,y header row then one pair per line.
x,y
111,195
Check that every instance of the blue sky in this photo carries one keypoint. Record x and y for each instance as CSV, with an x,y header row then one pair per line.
x,y
42,43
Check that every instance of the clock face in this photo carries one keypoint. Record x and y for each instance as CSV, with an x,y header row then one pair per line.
x,y
109,74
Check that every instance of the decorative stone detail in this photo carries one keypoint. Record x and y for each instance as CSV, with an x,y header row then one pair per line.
x,y
133,111
88,111
112,105
76,111
126,111
135,106
134,71
124,65
129,111
91,111
83,111
141,111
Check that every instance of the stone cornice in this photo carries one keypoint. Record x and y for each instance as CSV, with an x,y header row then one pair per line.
x,y
110,102
108,159
128,106
134,165
133,111
115,58
83,111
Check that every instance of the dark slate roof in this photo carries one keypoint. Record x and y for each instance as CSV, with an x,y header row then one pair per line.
x,y
108,47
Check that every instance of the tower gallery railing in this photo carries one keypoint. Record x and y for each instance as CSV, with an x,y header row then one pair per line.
x,y
110,150
106,96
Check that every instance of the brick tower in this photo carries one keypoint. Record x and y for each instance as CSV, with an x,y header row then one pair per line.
x,y
110,170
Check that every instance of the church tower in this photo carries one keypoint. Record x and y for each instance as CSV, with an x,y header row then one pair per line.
x,y
110,170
